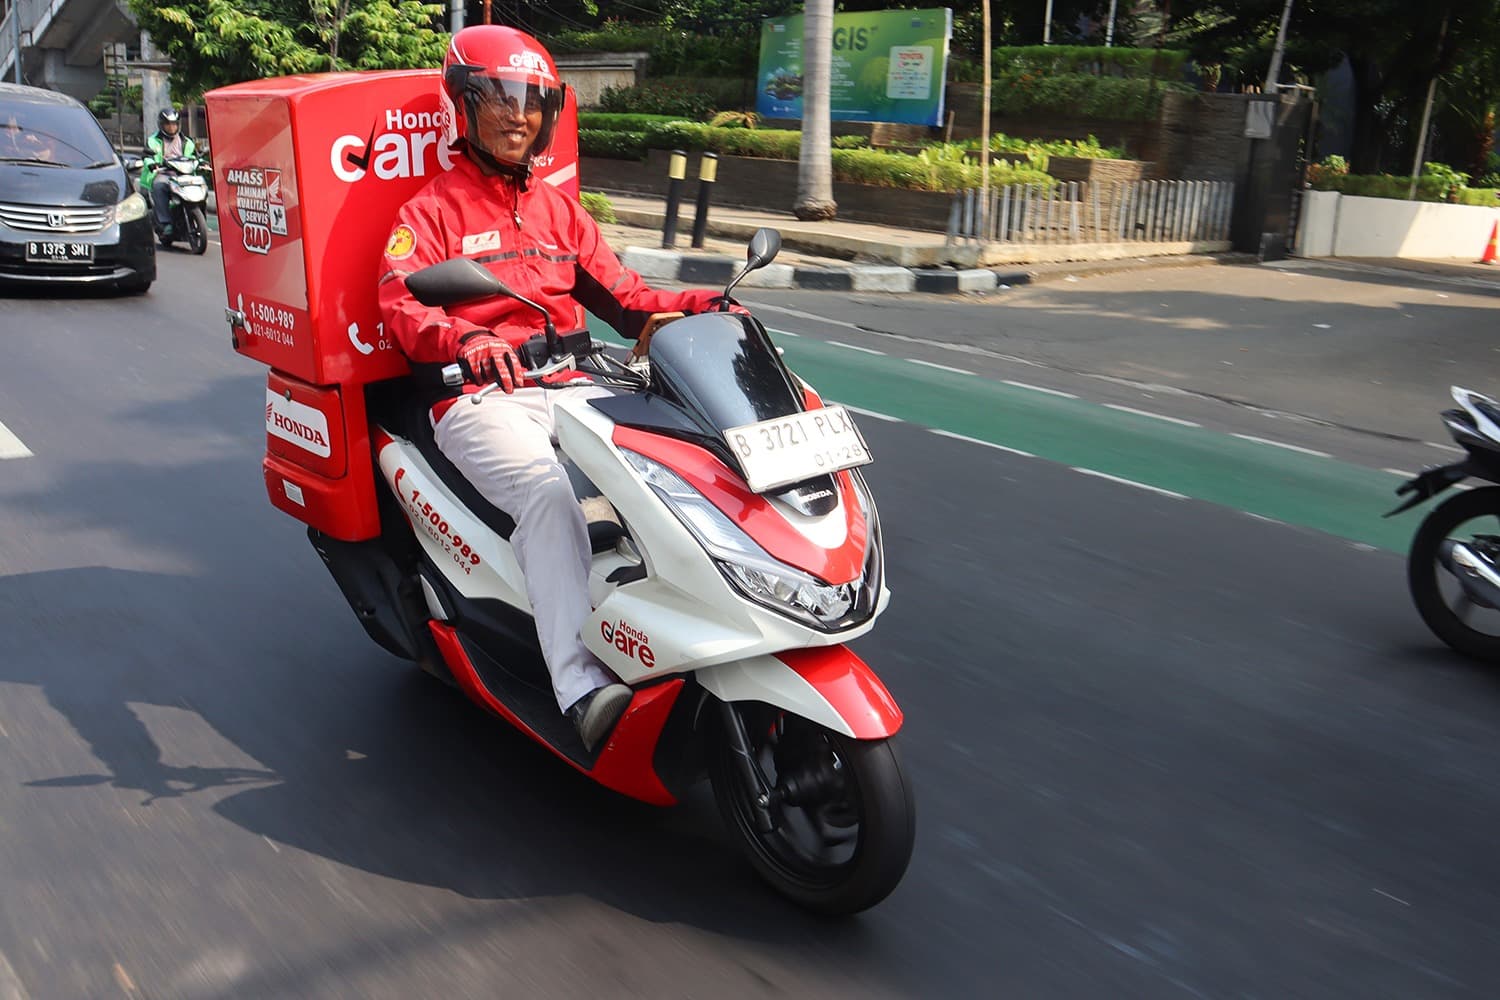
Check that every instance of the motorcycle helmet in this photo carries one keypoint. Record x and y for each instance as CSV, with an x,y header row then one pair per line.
x,y
499,74
167,116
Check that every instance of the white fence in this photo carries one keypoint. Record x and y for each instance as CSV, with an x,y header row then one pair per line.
x,y
1079,212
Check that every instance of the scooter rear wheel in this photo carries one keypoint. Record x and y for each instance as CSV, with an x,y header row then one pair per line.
x,y
1469,628
842,809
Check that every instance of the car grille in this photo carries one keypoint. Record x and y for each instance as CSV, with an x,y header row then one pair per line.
x,y
40,219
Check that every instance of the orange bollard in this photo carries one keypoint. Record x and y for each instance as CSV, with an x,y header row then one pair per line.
x,y
1490,248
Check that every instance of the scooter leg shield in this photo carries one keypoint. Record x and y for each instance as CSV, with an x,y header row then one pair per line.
x,y
828,685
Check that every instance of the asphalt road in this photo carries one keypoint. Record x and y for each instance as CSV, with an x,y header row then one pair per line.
x,y
1160,747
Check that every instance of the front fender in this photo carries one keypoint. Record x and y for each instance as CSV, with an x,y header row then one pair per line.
x,y
827,685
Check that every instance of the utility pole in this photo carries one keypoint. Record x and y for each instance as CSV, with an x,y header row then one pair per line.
x,y
15,37
1273,75
1047,25
1416,167
456,16
984,130
1109,34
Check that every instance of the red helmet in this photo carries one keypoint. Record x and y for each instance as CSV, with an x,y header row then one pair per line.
x,y
492,63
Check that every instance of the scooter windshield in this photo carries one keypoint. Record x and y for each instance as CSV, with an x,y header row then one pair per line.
x,y
722,367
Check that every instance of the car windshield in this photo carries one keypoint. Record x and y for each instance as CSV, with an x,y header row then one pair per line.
x,y
63,135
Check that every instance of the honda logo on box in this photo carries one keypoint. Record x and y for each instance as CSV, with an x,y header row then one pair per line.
x,y
302,425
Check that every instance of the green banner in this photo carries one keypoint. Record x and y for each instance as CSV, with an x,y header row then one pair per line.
x,y
888,66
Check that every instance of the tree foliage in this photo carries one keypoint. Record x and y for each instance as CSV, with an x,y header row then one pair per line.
x,y
216,42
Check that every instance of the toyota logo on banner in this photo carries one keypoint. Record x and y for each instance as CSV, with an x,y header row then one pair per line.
x,y
56,220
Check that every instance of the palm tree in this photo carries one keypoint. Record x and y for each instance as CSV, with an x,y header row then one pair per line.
x,y
815,168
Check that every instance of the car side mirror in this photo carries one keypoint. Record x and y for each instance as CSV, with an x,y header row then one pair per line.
x,y
133,164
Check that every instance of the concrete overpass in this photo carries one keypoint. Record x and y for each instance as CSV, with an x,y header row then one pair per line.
x,y
62,42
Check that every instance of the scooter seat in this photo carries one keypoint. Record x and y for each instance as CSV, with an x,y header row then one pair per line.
x,y
408,416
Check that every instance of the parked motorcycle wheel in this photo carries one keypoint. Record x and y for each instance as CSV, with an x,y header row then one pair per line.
x,y
846,842
1453,619
197,230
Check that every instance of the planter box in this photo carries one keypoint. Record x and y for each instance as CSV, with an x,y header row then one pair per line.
x,y
1085,169
750,182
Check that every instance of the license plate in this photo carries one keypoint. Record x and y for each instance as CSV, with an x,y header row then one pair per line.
x,y
64,252
786,450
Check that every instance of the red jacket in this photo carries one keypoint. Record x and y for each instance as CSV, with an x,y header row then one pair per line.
x,y
540,242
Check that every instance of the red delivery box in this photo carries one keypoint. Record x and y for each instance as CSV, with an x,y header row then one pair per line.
x,y
308,174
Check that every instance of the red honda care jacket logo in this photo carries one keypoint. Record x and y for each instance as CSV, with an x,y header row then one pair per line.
x,y
632,642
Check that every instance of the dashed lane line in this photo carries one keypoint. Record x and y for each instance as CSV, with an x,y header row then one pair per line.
x,y
941,368
980,441
1130,482
1039,388
11,446
1153,416
856,347
1282,444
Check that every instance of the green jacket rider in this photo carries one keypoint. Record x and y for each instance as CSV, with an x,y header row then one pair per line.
x,y
166,143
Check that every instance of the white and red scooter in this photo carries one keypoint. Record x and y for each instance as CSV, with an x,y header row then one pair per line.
x,y
738,551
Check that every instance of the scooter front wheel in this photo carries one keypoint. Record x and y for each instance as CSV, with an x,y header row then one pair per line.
x,y
1471,626
832,822
197,230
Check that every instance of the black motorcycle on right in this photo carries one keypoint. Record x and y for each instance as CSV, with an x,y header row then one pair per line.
x,y
1453,568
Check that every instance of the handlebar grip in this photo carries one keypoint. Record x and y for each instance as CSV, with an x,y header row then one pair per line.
x,y
453,375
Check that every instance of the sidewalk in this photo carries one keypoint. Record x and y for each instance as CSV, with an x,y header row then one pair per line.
x,y
843,256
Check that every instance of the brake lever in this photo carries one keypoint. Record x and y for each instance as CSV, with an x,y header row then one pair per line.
x,y
531,374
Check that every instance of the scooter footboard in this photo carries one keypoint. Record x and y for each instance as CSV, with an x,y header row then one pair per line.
x,y
828,685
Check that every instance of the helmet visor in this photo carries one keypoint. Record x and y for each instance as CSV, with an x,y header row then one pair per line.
x,y
506,101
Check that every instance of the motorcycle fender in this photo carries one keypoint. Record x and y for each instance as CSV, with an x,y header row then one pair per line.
x,y
827,685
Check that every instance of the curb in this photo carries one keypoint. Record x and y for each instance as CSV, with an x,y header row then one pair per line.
x,y
699,269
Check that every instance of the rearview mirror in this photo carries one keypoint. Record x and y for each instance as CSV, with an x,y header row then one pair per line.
x,y
133,164
454,281
764,246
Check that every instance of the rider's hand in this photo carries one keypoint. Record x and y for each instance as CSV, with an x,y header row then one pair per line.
x,y
486,358
653,323
718,302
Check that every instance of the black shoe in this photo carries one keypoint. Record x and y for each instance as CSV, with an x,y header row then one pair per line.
x,y
596,713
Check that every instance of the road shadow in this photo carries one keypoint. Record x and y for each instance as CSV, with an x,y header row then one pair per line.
x,y
362,759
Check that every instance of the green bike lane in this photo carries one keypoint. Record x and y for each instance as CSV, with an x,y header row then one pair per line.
x,y
1272,482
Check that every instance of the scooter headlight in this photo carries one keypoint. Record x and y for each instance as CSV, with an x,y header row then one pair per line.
x,y
751,570
131,209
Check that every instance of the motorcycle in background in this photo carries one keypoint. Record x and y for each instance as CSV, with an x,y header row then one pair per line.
x,y
187,196
1453,568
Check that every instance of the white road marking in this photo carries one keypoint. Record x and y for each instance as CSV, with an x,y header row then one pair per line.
x,y
941,368
872,413
1283,444
1131,482
11,446
1154,416
1262,517
10,983
987,444
807,315
1038,388
855,347
1445,447
1400,472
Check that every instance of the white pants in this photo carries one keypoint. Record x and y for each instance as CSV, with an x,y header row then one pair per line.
x,y
504,447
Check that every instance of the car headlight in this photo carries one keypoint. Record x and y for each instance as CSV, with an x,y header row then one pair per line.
x,y
751,570
132,208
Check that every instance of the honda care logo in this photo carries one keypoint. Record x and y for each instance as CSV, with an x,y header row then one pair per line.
x,y
630,641
399,144
303,426
531,62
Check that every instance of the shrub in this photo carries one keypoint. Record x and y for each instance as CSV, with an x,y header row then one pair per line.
x,y
926,172
598,206
1380,186
672,51
612,145
735,119
612,122
1077,96
1086,60
1330,166
850,141
1483,197
655,97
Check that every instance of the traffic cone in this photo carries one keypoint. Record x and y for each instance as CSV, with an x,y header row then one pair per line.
x,y
1490,248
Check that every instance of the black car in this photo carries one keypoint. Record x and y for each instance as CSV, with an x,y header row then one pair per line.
x,y
68,212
